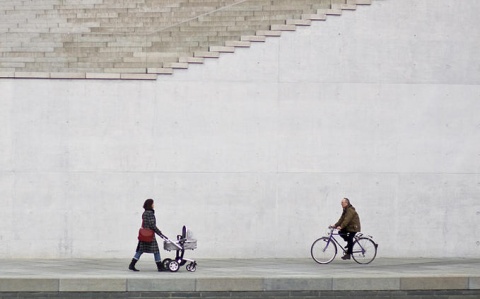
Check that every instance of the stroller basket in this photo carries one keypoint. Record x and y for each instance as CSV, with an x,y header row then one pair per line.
x,y
189,244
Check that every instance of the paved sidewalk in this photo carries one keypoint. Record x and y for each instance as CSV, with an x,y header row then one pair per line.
x,y
112,275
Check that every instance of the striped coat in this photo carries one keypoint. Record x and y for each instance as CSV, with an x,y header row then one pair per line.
x,y
149,221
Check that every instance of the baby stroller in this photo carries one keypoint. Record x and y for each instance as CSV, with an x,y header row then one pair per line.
x,y
184,241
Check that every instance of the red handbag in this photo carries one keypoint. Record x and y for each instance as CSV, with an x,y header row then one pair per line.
x,y
145,234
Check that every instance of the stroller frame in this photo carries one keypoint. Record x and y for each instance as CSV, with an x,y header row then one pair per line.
x,y
180,245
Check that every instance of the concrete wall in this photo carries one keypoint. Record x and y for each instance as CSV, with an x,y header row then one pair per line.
x,y
254,151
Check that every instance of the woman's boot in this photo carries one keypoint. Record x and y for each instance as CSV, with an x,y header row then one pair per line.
x,y
160,267
132,265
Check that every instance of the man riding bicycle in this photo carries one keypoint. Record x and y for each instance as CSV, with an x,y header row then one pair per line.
x,y
348,225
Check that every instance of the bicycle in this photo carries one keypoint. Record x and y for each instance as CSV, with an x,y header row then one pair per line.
x,y
324,249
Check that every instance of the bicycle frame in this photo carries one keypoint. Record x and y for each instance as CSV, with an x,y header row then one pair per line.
x,y
331,237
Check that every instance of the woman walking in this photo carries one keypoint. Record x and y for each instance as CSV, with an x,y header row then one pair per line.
x,y
148,221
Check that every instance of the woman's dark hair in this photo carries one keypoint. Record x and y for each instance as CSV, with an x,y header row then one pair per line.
x,y
147,205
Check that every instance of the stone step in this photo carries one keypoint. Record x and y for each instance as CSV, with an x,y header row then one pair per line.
x,y
176,65
33,49
138,65
238,44
221,18
331,12
283,27
344,6
12,65
165,45
142,36
151,56
223,38
189,33
300,22
270,19
176,49
360,2
176,39
268,33
315,17
233,33
253,38
246,27
31,74
194,60
164,71
222,49
206,54
138,76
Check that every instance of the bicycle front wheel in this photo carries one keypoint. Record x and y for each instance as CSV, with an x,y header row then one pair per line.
x,y
323,250
364,251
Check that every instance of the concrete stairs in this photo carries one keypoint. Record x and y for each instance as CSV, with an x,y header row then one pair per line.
x,y
140,39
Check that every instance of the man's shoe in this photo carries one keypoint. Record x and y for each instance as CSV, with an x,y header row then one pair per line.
x,y
346,257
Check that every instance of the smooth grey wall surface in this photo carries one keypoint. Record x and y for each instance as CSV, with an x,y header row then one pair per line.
x,y
254,151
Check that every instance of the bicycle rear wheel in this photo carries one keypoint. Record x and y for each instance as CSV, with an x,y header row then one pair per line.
x,y
364,250
323,250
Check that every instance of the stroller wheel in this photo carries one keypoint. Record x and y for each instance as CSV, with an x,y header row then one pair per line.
x,y
166,262
173,266
192,267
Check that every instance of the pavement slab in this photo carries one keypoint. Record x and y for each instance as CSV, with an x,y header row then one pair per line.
x,y
246,275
